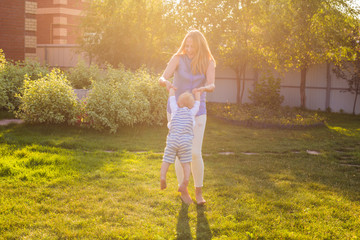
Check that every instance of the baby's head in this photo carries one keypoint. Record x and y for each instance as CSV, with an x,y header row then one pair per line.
x,y
186,99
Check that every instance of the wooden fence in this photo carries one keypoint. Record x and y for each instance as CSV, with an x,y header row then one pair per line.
x,y
322,93
60,55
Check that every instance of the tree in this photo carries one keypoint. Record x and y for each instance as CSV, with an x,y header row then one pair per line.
x,y
349,68
237,49
128,32
312,32
228,26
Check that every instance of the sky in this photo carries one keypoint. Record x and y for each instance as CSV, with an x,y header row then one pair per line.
x,y
357,2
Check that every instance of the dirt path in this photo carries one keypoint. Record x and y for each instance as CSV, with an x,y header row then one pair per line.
x,y
4,122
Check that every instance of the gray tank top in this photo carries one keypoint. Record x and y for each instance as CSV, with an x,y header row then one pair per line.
x,y
184,81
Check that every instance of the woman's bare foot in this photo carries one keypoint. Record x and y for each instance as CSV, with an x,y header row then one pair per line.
x,y
162,184
198,195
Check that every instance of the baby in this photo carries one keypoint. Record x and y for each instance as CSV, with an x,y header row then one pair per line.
x,y
180,138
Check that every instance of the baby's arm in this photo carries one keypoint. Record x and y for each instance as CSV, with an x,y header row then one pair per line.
x,y
197,94
173,104
196,106
172,91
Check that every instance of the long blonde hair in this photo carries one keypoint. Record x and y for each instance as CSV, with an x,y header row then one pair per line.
x,y
203,56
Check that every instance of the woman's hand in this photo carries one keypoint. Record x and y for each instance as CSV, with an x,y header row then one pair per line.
x,y
195,90
207,88
168,85
165,83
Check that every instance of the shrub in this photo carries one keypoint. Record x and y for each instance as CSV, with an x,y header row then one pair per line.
x,y
266,93
49,99
2,60
12,78
146,84
125,98
82,75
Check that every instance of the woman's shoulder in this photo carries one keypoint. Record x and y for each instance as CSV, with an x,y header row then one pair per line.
x,y
176,58
179,57
174,61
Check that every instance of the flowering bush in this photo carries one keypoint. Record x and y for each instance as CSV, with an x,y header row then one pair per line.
x,y
82,75
12,75
146,84
3,95
125,98
49,99
2,60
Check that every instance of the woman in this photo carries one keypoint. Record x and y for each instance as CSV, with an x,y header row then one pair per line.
x,y
193,67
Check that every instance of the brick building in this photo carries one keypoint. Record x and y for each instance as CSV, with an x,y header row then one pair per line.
x,y
58,21
26,26
18,28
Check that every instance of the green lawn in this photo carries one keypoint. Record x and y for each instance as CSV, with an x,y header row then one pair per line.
x,y
60,182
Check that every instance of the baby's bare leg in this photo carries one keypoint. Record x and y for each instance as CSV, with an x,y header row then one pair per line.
x,y
183,186
185,182
164,168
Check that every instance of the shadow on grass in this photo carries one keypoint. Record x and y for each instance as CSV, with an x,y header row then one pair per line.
x,y
139,138
202,227
183,226
60,153
283,175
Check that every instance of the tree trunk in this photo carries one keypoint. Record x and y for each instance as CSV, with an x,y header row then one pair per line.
x,y
243,82
238,86
328,86
356,95
302,87
256,75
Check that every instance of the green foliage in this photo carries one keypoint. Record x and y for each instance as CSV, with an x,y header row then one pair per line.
x,y
2,60
146,84
130,32
81,75
349,67
304,33
266,93
284,34
49,99
125,98
12,75
3,95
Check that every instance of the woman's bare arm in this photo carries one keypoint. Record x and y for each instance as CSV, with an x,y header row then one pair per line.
x,y
210,78
169,72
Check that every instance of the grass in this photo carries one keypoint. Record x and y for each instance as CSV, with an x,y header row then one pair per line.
x,y
61,182
266,116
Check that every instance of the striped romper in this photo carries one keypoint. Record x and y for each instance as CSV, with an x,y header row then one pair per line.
x,y
180,137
